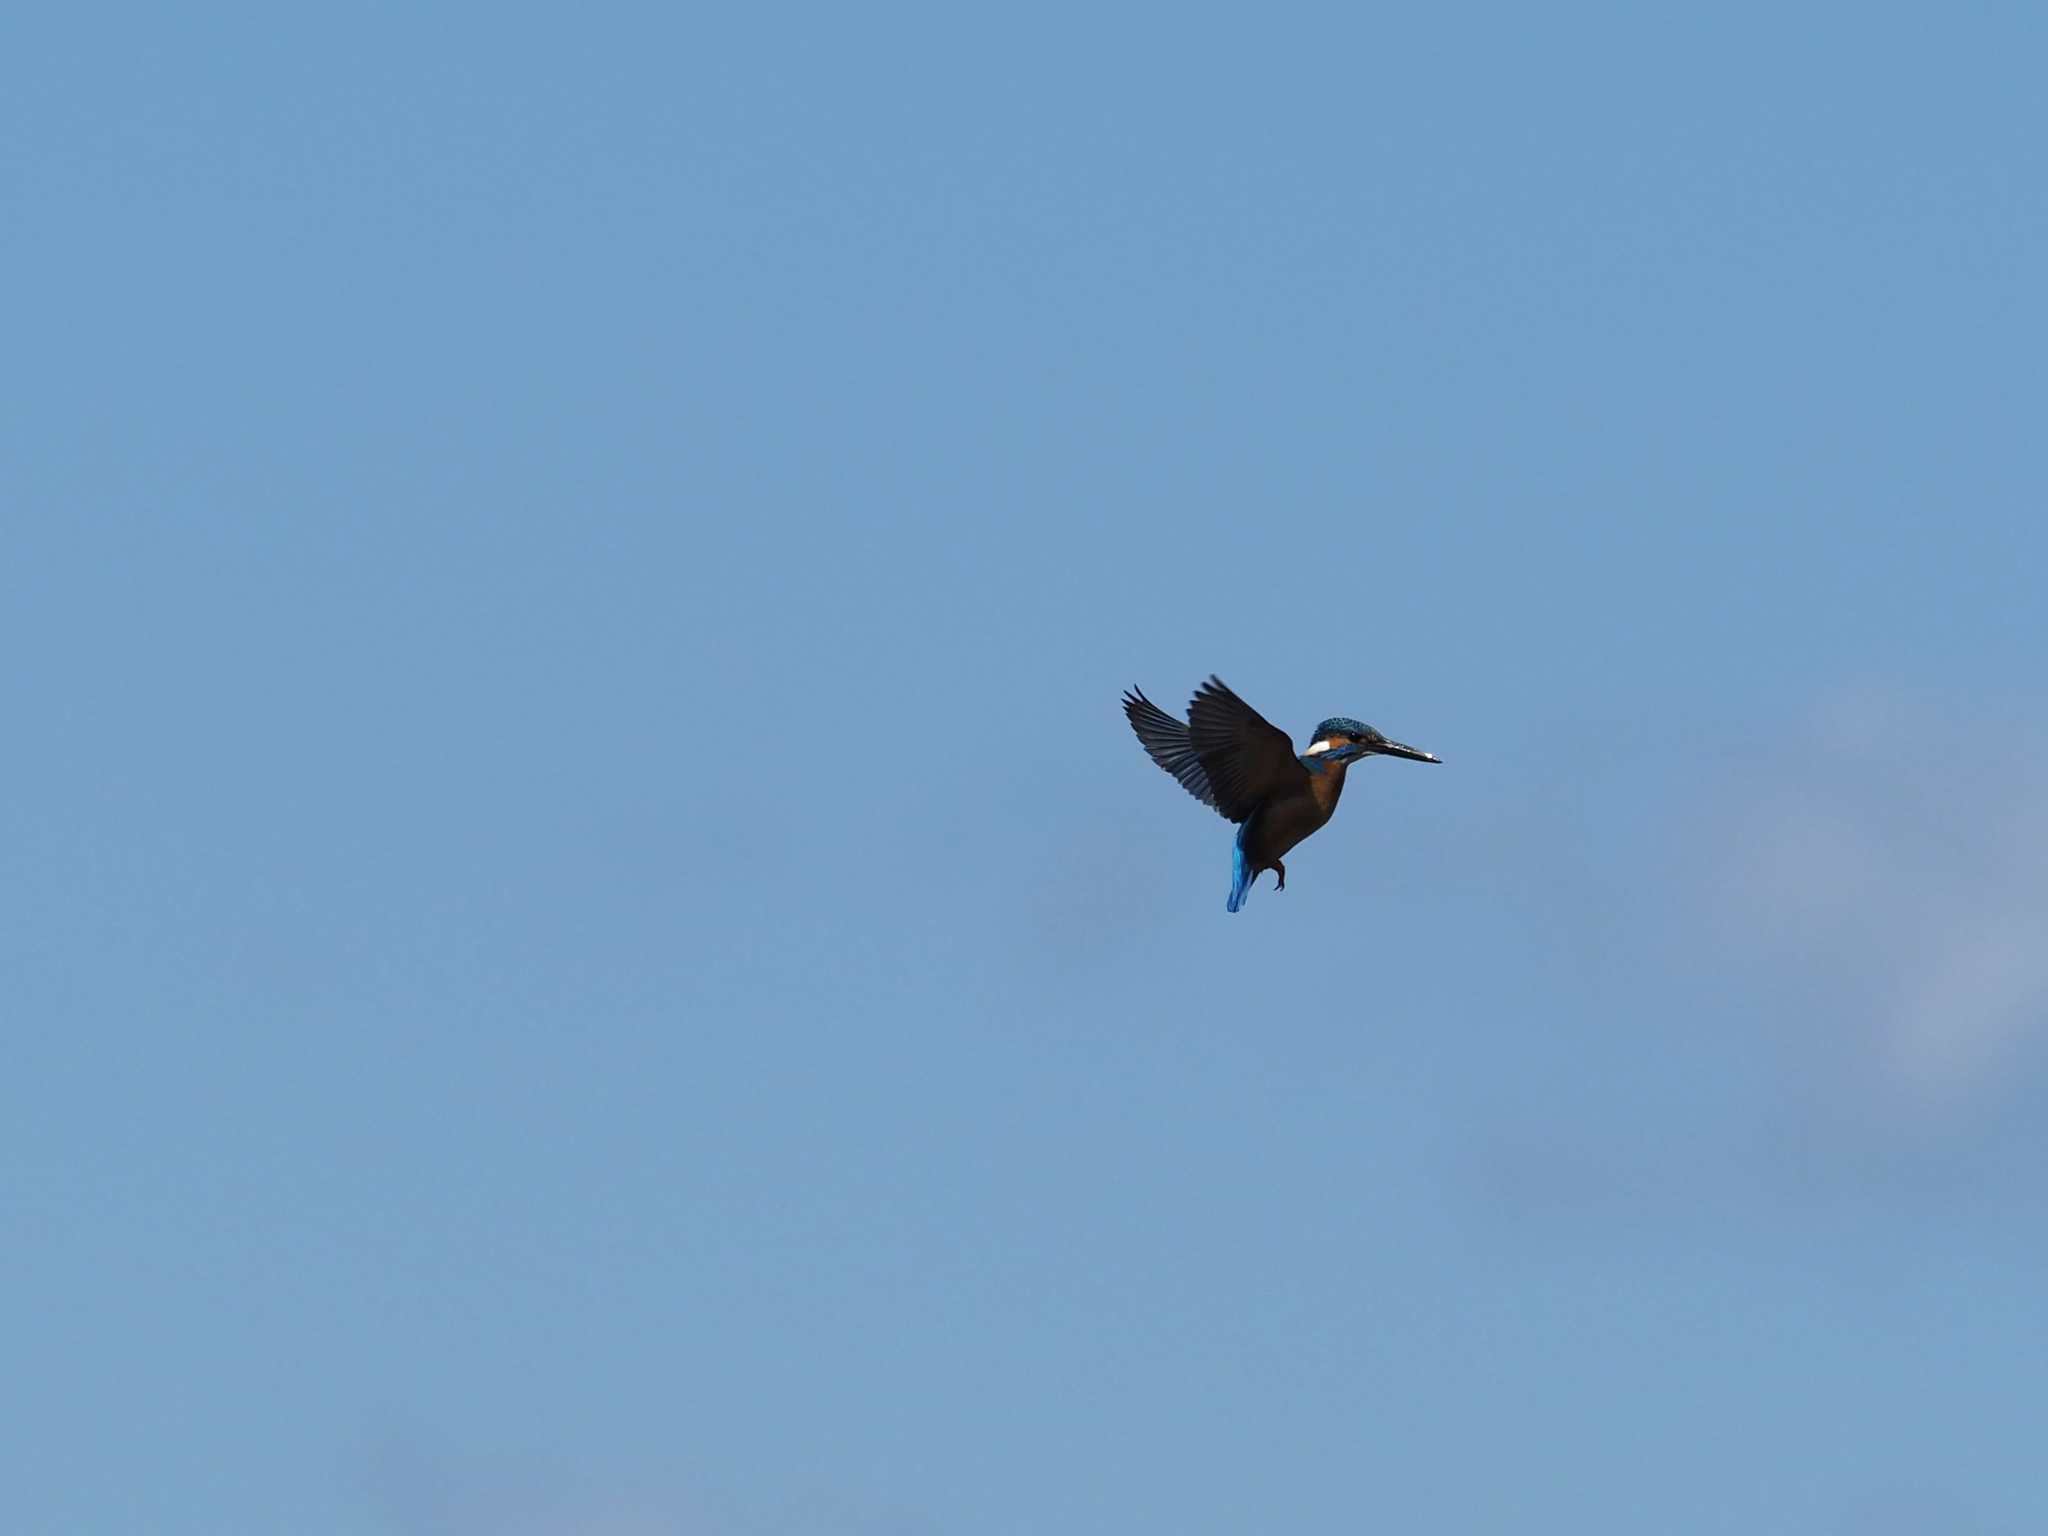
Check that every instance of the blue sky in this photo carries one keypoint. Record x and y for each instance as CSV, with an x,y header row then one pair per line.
x,y
588,947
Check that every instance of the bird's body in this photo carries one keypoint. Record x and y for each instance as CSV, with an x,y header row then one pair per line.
x,y
1231,758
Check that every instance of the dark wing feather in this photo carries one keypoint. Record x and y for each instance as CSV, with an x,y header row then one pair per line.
x,y
1227,756
1247,759
1165,741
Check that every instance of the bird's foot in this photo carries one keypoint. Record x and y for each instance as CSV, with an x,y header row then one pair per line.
x,y
1280,870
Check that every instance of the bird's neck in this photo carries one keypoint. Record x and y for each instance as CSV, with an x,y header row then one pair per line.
x,y
1326,777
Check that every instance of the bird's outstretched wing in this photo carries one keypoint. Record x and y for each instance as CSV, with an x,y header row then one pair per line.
x,y
1248,759
1227,755
1166,742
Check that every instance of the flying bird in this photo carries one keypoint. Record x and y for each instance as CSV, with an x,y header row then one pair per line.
x,y
1228,756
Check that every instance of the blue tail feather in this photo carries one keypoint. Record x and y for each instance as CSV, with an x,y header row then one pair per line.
x,y
1241,873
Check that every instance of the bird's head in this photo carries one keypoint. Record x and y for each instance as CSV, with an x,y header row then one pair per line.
x,y
1343,740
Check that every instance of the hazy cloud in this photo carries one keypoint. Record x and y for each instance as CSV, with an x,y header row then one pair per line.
x,y
1891,870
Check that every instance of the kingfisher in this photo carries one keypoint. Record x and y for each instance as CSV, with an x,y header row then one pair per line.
x,y
1227,756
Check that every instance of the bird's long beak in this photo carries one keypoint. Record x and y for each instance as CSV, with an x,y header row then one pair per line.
x,y
1413,754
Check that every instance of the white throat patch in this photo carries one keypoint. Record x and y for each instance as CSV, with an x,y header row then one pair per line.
x,y
1320,746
